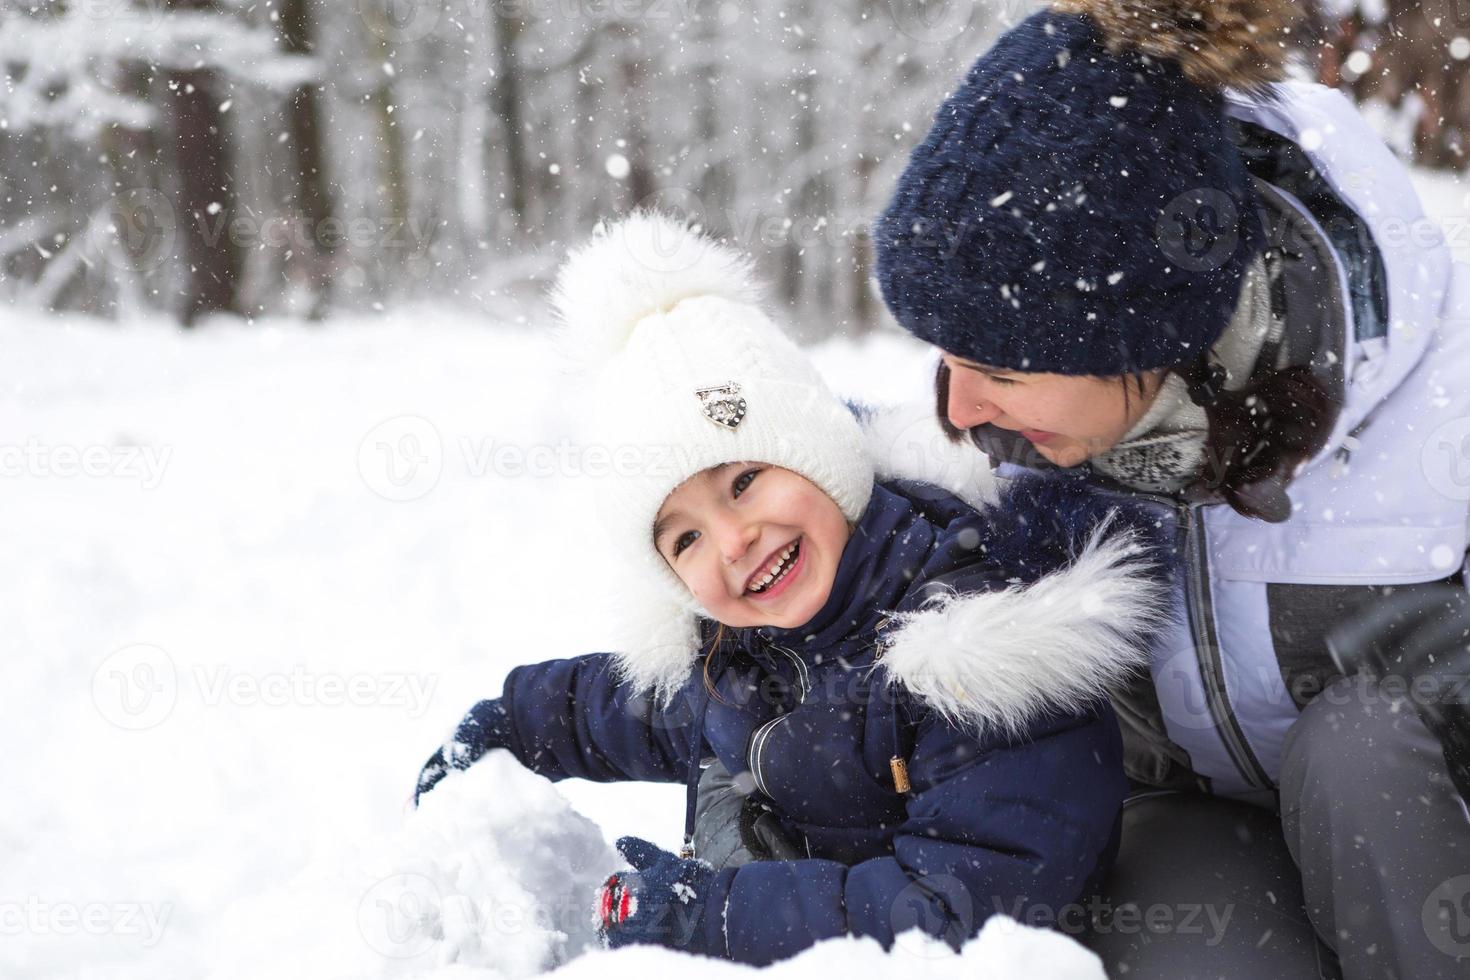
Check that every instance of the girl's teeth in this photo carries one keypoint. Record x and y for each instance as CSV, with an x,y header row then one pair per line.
x,y
775,569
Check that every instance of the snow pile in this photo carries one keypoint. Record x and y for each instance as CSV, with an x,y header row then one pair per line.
x,y
493,875
1004,950
263,570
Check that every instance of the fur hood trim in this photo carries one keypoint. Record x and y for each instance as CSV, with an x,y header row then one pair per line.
x,y
995,662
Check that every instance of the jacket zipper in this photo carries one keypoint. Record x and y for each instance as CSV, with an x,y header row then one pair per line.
x,y
803,678
758,740
1207,652
757,745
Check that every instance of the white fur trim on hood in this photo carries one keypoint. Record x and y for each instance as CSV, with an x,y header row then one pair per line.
x,y
994,662
906,443
657,642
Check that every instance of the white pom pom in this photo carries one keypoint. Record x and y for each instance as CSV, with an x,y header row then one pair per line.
x,y
637,267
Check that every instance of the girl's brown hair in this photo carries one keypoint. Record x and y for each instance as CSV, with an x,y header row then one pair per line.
x,y
714,645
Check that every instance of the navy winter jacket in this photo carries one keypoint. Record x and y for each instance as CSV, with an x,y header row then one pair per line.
x,y
977,646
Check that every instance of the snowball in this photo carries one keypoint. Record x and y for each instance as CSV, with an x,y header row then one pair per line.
x,y
493,872
617,166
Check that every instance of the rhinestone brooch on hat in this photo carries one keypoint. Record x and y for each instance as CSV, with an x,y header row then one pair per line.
x,y
723,404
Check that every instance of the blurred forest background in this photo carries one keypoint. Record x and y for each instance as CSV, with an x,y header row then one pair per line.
x,y
298,157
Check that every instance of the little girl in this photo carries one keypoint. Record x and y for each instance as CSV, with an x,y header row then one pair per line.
x,y
910,692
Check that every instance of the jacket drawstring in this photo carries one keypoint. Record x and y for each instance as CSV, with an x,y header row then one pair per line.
x,y
691,781
898,765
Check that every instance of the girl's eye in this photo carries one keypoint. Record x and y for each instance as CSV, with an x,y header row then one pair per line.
x,y
683,541
743,481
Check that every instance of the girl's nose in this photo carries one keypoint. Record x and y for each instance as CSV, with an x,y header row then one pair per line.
x,y
967,406
736,536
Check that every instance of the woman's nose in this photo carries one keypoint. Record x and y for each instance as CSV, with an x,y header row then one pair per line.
x,y
968,406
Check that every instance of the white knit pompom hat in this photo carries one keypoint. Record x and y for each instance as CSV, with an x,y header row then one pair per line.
x,y
687,373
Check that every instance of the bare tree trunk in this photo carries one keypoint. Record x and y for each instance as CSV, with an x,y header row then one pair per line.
x,y
393,179
133,158
310,194
206,202
507,99
634,75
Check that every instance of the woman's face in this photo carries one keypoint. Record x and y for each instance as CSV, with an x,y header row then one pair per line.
x,y
1069,419
726,529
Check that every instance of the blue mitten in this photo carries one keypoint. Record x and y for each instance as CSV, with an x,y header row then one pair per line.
x,y
662,900
486,727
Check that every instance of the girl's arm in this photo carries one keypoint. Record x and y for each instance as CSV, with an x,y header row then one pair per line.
x,y
1023,829
572,718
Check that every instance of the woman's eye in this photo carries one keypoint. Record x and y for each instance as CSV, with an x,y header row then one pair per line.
x,y
1002,381
683,541
744,480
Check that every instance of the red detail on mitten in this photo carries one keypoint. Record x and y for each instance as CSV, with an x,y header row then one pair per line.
x,y
605,901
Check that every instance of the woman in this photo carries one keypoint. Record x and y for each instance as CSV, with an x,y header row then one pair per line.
x,y
1142,253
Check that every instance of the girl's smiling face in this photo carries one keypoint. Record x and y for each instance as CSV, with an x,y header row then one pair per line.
x,y
757,545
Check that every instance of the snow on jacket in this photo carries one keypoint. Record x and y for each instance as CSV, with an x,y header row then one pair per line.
x,y
976,645
1372,300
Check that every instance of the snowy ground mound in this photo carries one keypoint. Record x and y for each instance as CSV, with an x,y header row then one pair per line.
x,y
258,572
493,877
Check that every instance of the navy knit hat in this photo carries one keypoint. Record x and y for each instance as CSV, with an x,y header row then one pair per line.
x,y
1078,206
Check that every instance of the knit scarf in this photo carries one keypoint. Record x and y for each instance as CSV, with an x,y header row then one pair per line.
x,y
1165,449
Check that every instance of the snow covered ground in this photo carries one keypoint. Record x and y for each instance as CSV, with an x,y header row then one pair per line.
x,y
254,575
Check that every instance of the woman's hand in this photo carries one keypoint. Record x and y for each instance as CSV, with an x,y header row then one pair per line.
x,y
661,900
486,727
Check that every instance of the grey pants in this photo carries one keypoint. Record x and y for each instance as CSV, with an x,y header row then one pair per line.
x,y
1369,857
1380,834
731,828
1375,860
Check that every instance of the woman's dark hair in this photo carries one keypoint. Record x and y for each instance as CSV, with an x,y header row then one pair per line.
x,y
1258,434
